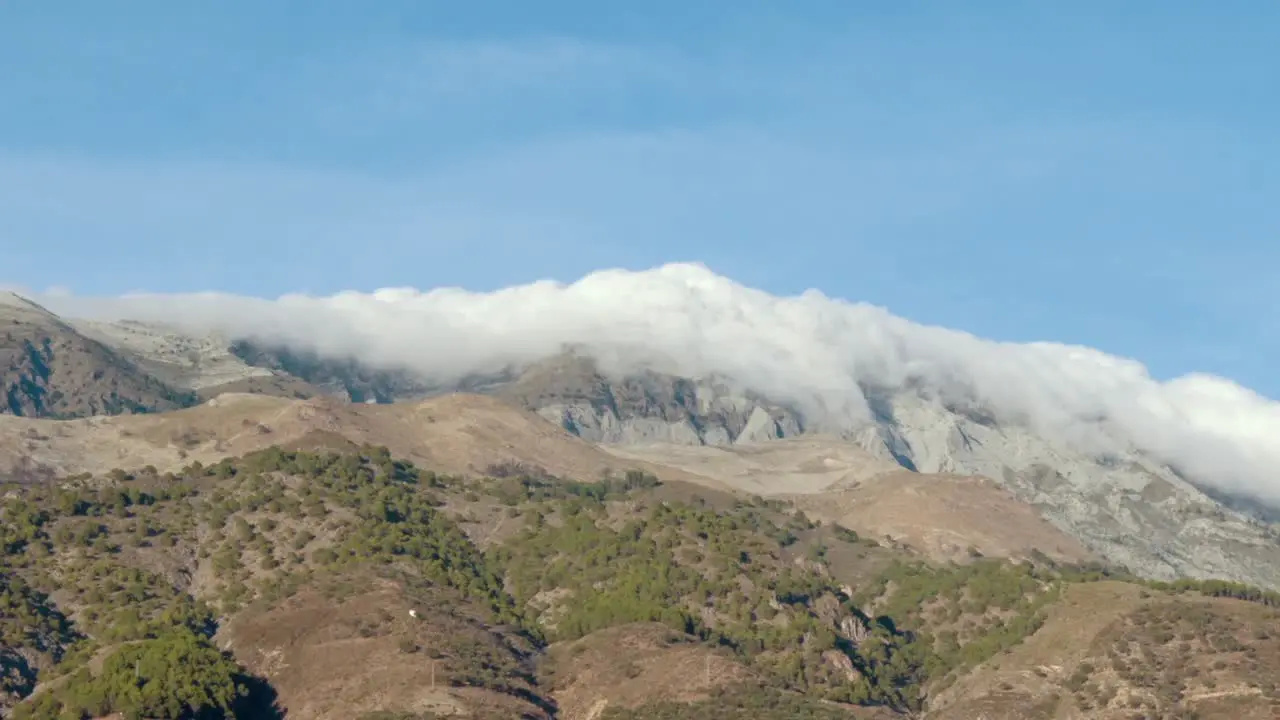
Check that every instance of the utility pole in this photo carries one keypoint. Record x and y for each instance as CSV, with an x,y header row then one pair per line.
x,y
708,671
433,673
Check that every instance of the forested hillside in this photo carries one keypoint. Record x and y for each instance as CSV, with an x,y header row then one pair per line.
x,y
251,587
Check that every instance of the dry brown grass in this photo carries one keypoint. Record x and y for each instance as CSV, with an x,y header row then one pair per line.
x,y
631,665
807,464
1029,677
458,433
947,517
285,386
1115,651
943,516
340,653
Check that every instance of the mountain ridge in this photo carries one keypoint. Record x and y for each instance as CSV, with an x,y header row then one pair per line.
x,y
1131,510
583,543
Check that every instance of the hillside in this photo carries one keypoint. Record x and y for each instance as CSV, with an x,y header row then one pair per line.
x,y
453,433
285,559
465,433
1113,650
48,369
343,378
1121,506
947,517
191,362
325,585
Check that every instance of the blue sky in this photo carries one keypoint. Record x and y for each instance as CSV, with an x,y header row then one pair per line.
x,y
1086,172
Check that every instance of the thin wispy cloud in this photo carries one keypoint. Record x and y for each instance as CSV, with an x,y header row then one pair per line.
x,y
571,203
445,99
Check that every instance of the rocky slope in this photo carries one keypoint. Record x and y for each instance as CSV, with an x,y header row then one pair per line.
x,y
570,390
343,378
1123,506
49,369
1129,509
172,356
944,516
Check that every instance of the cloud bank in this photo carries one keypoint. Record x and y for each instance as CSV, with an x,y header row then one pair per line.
x,y
809,350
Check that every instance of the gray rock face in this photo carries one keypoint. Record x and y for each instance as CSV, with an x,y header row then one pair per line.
x,y
647,407
1127,508
344,378
179,359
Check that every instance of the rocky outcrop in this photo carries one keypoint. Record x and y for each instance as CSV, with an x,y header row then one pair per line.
x,y
571,391
1123,506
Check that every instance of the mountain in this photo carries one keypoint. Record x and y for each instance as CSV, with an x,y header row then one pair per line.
x,y
1121,505
203,365
490,553
1124,506
468,433
50,369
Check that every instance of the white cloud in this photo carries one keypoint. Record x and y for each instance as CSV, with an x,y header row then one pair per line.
x,y
807,349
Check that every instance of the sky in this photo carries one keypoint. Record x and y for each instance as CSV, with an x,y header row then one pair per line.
x,y
1090,173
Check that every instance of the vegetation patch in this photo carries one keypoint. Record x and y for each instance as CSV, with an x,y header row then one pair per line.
x,y
107,582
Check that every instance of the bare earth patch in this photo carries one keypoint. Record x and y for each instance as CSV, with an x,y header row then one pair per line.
x,y
635,664
340,657
948,517
1114,651
945,516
